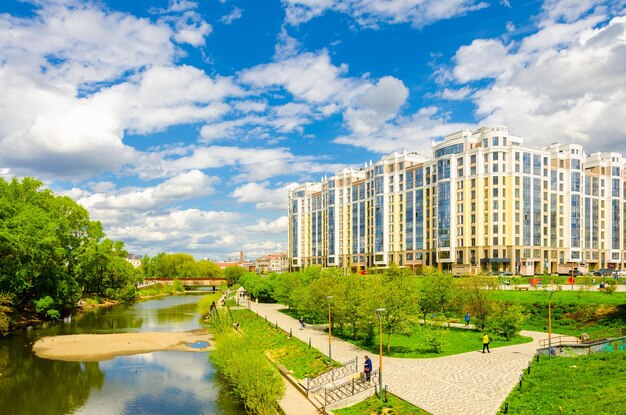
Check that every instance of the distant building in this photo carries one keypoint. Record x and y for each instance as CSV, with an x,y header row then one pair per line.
x,y
273,263
249,265
135,260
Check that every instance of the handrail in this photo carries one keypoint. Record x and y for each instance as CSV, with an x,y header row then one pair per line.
x,y
584,338
350,388
349,367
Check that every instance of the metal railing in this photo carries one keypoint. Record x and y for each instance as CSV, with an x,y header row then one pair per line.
x,y
349,367
350,388
585,338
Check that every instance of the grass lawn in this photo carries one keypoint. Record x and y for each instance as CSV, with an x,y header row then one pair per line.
x,y
307,319
573,312
289,352
455,341
560,297
374,406
592,384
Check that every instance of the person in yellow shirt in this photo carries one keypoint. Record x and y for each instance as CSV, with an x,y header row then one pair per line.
x,y
486,343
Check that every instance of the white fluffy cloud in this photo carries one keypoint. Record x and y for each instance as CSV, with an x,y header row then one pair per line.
x,y
262,196
187,185
75,78
563,83
371,13
413,133
278,226
308,76
376,105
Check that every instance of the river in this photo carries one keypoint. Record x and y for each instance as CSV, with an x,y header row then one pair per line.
x,y
170,382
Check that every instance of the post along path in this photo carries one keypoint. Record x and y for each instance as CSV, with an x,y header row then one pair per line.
x,y
468,383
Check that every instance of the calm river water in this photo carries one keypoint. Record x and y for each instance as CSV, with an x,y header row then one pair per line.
x,y
169,382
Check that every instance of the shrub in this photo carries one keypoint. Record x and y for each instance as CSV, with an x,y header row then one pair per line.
x,y
53,314
109,293
127,294
178,285
44,304
5,308
507,320
434,336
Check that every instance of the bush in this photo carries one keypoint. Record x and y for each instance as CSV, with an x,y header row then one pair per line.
x,y
506,320
53,314
44,304
434,336
5,308
178,286
109,293
127,294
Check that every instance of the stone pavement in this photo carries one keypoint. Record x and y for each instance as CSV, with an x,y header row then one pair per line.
x,y
468,383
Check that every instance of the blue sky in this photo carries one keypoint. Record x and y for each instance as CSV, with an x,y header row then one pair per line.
x,y
181,124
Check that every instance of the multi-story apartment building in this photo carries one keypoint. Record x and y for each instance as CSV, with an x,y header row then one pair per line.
x,y
483,203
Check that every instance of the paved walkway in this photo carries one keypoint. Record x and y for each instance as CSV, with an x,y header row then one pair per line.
x,y
468,383
295,403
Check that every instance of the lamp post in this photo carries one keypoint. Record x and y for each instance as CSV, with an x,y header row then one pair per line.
x,y
379,314
550,325
330,359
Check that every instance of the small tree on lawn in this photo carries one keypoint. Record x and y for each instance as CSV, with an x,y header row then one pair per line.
x,y
506,320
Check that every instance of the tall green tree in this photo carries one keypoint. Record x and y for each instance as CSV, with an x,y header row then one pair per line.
x,y
400,299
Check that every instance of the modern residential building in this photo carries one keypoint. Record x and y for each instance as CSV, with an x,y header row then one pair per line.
x,y
483,202
273,263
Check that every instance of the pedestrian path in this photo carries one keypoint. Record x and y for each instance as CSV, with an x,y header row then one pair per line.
x,y
468,383
294,403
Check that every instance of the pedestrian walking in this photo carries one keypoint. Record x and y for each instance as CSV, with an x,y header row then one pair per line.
x,y
367,368
467,319
486,341
301,323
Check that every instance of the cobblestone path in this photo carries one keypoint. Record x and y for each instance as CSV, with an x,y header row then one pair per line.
x,y
468,383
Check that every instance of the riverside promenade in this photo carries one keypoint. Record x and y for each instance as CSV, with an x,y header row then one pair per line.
x,y
467,383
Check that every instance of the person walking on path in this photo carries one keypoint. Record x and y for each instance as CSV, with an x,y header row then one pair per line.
x,y
367,368
486,343
467,319
301,323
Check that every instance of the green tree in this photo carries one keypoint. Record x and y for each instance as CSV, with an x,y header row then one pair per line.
x,y
233,273
506,319
473,295
176,266
208,269
400,299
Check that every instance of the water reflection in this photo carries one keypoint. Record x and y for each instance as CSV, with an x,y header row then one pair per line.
x,y
152,383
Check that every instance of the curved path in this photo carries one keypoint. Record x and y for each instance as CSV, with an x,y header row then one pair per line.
x,y
467,383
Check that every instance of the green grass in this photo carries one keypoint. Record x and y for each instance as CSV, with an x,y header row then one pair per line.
x,y
289,352
592,384
573,312
560,297
455,341
374,406
204,305
307,319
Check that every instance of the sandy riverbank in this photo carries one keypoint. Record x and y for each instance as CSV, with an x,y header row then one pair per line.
x,y
94,347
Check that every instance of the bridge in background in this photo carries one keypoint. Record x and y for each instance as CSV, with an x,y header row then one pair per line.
x,y
188,282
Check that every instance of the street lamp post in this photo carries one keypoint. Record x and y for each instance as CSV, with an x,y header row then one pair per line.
x,y
330,358
379,314
550,325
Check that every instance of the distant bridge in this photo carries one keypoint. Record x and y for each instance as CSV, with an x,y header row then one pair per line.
x,y
189,282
